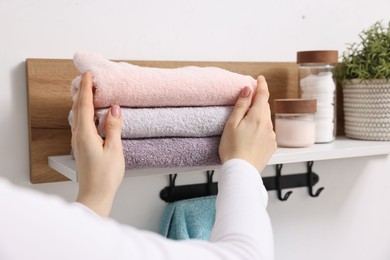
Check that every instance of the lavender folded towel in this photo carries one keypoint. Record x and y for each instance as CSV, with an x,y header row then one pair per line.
x,y
129,85
171,152
168,122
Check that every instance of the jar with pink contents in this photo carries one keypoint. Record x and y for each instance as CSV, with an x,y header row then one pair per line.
x,y
295,122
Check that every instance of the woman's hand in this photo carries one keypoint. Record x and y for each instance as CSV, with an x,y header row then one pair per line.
x,y
100,163
248,133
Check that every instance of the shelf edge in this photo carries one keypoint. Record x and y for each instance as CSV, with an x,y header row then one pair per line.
x,y
340,149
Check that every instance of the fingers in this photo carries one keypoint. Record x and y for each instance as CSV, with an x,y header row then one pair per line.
x,y
74,112
113,128
83,107
260,102
241,107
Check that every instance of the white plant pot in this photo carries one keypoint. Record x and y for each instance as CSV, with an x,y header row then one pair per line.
x,y
367,109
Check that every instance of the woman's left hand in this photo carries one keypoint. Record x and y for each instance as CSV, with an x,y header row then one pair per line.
x,y
100,163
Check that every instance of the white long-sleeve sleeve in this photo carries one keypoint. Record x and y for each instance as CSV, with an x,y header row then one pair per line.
x,y
35,226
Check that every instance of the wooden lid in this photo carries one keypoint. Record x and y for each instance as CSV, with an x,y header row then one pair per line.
x,y
317,57
295,106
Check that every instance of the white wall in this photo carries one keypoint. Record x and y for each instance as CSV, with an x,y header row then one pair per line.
x,y
348,221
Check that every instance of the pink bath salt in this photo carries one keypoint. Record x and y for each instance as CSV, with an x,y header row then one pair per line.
x,y
295,132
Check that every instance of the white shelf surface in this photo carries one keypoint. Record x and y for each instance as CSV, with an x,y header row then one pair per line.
x,y
341,148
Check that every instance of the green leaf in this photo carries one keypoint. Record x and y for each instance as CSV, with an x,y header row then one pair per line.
x,y
370,57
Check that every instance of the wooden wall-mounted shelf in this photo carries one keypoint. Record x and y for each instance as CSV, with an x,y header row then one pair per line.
x,y
49,102
339,149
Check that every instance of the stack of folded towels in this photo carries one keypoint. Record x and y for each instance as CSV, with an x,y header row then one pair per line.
x,y
171,117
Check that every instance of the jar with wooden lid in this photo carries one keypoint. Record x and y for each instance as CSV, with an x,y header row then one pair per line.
x,y
317,81
295,122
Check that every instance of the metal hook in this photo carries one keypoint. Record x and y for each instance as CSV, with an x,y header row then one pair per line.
x,y
279,183
310,181
210,189
210,175
172,180
169,192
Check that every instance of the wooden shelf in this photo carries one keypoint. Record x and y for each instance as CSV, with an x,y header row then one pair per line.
x,y
341,148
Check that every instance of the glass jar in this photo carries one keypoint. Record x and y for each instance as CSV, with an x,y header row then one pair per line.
x,y
295,122
317,81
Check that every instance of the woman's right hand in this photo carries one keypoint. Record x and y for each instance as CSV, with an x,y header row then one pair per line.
x,y
248,133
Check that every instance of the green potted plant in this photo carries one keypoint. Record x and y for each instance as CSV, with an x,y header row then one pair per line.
x,y
365,75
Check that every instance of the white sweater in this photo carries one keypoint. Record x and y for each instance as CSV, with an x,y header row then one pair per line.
x,y
36,226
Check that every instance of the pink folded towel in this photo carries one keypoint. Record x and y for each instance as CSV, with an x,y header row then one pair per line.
x,y
129,85
171,152
168,122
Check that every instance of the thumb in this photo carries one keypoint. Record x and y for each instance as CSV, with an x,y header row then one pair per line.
x,y
113,128
242,106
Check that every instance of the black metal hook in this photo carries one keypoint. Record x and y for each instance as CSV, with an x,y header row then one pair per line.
x,y
210,186
310,180
278,180
172,180
169,192
210,175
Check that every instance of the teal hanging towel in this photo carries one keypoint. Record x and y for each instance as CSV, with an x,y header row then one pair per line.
x,y
189,219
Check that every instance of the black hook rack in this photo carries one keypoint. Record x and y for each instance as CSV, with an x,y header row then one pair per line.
x,y
279,182
174,193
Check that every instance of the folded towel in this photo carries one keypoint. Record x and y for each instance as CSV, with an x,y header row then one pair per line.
x,y
129,85
171,152
168,122
189,219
